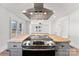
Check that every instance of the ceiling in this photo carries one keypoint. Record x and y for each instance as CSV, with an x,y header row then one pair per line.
x,y
59,9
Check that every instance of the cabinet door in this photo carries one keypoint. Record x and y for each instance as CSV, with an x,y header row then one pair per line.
x,y
45,28
16,52
62,49
14,45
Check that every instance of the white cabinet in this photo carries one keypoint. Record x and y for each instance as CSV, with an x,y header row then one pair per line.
x,y
40,26
14,45
15,48
62,49
16,52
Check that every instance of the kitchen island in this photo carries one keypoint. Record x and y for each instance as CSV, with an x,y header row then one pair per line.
x,y
15,44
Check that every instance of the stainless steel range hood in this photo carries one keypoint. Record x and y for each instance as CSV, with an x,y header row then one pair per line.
x,y
38,12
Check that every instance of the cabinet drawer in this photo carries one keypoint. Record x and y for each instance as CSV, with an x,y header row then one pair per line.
x,y
14,45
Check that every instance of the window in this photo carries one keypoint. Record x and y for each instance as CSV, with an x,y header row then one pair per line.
x,y
13,28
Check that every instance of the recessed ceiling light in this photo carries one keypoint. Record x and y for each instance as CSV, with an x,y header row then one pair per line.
x,y
24,11
45,13
31,13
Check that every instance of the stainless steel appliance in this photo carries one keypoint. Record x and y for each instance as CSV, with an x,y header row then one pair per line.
x,y
38,45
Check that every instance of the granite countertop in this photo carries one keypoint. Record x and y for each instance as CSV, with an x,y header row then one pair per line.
x,y
56,38
19,38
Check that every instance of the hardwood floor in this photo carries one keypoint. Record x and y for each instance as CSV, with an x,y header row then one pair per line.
x,y
73,52
4,53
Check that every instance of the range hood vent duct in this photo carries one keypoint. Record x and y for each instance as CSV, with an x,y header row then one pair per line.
x,y
38,7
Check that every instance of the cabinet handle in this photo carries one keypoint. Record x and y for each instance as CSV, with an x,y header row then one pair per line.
x,y
14,45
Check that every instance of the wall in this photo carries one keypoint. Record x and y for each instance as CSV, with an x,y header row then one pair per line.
x,y
68,27
62,27
5,18
74,28
52,25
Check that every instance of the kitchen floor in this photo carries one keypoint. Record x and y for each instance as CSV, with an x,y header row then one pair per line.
x,y
73,52
4,53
